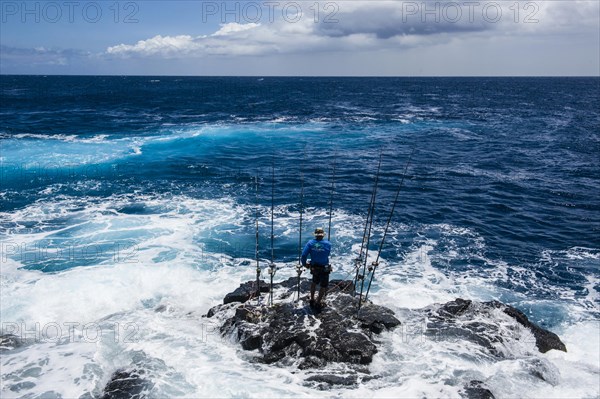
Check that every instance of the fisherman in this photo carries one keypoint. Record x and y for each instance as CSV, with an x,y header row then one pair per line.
x,y
319,250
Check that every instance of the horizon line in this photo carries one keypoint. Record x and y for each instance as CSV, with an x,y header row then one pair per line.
x,y
300,76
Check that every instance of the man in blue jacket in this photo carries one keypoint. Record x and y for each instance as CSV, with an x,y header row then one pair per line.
x,y
319,250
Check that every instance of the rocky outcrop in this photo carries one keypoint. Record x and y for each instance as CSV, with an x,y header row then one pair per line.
x,y
341,333
474,321
296,332
291,333
127,384
245,291
544,339
10,342
144,377
477,390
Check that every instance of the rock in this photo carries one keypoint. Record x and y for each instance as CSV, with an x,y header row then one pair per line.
x,y
127,384
542,369
331,379
377,318
291,331
311,362
212,311
468,320
455,308
248,337
245,292
476,390
544,339
9,342
145,377
355,348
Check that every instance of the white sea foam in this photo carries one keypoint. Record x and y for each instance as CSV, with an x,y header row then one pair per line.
x,y
156,302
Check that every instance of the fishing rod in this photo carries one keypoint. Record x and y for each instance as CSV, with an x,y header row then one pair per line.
x,y
256,249
272,268
299,266
376,263
364,271
358,260
368,222
331,198
369,212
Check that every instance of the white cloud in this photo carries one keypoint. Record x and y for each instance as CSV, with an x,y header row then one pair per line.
x,y
233,28
235,39
158,45
375,25
231,39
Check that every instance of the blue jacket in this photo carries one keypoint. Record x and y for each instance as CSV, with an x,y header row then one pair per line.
x,y
319,252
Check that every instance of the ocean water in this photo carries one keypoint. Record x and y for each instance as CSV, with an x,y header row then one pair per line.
x,y
121,195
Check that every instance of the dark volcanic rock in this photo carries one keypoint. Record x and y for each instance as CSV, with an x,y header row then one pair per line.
x,y
9,342
544,339
331,379
473,321
476,390
455,308
245,292
290,287
145,377
292,332
127,384
377,318
337,333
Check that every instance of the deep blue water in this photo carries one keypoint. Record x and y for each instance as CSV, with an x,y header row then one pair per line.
x,y
515,159
502,187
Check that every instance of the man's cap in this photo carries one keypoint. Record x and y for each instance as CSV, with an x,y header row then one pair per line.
x,y
319,232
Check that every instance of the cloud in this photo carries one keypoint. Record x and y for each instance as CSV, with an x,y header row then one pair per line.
x,y
254,39
385,20
231,39
369,25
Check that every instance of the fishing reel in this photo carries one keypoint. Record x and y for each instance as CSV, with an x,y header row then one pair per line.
x,y
372,266
272,269
358,262
299,269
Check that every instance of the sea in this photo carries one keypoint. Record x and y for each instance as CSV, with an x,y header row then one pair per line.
x,y
130,206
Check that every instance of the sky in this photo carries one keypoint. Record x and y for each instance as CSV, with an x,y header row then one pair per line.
x,y
301,38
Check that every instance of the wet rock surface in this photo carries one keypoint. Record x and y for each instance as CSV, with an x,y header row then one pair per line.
x,y
10,342
296,331
477,390
127,384
544,339
244,292
291,333
476,322
144,377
